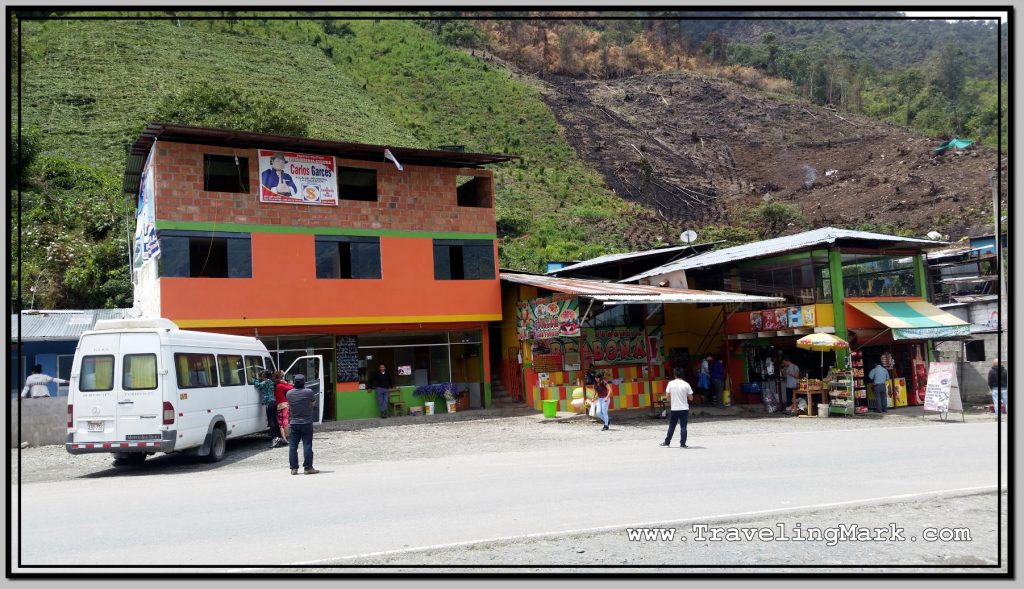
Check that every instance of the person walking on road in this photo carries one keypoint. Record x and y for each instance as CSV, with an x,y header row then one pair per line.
x,y
879,376
604,397
680,394
997,383
36,383
265,387
302,415
381,383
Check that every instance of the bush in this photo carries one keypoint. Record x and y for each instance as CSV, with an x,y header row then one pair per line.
x,y
228,107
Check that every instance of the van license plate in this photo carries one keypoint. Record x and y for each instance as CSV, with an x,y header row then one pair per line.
x,y
95,426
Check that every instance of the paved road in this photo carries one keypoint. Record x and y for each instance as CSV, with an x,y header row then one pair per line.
x,y
241,517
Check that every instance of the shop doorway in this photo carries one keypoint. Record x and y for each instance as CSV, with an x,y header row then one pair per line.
x,y
286,349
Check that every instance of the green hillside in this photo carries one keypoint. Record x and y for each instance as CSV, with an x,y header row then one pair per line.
x,y
90,86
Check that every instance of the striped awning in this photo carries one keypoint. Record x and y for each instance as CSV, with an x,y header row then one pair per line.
x,y
914,319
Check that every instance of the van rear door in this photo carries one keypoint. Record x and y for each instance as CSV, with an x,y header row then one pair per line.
x,y
93,394
139,387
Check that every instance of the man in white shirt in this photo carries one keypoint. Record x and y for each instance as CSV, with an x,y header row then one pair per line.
x,y
680,394
36,383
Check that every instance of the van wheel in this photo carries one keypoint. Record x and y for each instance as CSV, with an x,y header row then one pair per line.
x,y
129,458
218,445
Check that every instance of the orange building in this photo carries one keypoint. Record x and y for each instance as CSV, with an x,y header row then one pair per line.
x,y
323,246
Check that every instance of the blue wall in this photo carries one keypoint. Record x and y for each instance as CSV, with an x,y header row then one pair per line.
x,y
44,353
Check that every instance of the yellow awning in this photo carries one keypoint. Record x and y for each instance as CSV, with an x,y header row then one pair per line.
x,y
914,319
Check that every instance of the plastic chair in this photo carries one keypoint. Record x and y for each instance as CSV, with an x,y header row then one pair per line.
x,y
395,404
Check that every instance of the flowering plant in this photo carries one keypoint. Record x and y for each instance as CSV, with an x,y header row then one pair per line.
x,y
433,391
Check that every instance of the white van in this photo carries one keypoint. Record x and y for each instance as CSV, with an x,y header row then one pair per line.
x,y
141,386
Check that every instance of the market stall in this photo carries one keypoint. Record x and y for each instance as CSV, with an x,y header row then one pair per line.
x,y
617,329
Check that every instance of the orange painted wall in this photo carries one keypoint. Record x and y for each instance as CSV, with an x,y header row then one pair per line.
x,y
284,285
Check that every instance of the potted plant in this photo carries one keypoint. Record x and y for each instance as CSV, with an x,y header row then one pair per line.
x,y
430,393
451,396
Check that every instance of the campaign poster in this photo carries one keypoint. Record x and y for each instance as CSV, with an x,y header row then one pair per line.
x,y
298,178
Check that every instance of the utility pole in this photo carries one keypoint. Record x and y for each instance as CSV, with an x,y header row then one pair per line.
x,y
993,178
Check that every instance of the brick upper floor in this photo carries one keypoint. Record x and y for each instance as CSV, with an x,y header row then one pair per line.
x,y
420,198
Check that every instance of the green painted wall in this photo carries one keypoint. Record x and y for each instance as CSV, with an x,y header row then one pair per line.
x,y
487,395
363,404
253,228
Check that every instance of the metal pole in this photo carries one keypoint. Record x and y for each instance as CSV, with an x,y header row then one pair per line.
x,y
997,229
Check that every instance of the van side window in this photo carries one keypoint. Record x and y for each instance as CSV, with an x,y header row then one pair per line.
x,y
232,371
97,373
139,372
253,367
195,370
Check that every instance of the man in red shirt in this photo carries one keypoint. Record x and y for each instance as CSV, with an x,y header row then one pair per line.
x,y
281,388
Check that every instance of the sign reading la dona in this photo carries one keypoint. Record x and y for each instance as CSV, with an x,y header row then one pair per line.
x,y
298,178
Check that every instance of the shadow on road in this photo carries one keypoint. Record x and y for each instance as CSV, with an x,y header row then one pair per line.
x,y
182,462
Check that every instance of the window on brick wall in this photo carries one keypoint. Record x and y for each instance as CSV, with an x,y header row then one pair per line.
x,y
357,184
463,259
471,191
347,257
225,173
200,254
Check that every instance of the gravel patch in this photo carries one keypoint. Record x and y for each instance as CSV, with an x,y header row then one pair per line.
x,y
473,432
612,548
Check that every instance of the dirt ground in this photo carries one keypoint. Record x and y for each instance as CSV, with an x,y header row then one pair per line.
x,y
698,150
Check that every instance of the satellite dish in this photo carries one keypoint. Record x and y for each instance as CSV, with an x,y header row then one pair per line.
x,y
688,236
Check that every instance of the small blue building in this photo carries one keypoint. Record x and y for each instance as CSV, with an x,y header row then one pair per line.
x,y
49,338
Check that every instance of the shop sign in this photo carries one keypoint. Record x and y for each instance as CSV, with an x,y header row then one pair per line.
x,y
548,318
782,318
944,331
547,362
146,243
625,345
942,393
297,178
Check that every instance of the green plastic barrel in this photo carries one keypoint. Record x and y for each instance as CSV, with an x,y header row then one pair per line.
x,y
550,408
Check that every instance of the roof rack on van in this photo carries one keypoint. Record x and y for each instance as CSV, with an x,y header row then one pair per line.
x,y
140,323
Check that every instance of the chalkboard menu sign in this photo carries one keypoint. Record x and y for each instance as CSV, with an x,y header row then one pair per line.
x,y
347,353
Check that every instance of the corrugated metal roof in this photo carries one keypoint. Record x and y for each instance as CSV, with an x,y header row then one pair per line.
x,y
768,247
59,325
610,258
631,293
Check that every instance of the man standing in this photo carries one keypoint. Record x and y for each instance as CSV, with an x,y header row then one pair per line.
x,y
381,383
879,376
997,383
301,405
718,381
680,394
265,387
791,374
36,385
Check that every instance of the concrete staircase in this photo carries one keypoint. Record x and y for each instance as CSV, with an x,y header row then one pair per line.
x,y
500,397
